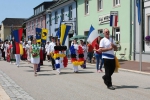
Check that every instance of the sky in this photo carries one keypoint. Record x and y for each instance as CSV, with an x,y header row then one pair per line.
x,y
18,8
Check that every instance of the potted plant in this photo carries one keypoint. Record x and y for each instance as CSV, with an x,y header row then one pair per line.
x,y
118,45
147,40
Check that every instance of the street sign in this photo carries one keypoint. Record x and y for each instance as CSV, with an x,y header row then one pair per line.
x,y
115,13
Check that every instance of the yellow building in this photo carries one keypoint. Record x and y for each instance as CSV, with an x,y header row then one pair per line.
x,y
9,24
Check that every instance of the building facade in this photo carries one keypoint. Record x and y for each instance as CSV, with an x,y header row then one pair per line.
x,y
9,24
38,20
145,31
99,17
65,9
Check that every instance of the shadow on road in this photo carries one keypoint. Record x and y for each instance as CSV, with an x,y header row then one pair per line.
x,y
26,66
46,74
124,86
76,73
147,88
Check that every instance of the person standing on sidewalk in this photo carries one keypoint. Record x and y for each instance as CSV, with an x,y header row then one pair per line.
x,y
51,50
98,55
107,47
90,52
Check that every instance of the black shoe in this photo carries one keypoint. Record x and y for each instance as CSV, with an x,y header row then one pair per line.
x,y
105,81
54,69
111,88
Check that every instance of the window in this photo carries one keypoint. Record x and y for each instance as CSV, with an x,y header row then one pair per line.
x,y
117,34
86,33
148,25
116,2
41,19
42,8
100,5
36,23
56,19
29,26
50,19
62,14
32,25
70,12
100,31
86,7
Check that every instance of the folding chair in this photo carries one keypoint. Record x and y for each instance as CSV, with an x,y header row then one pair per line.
x,y
122,55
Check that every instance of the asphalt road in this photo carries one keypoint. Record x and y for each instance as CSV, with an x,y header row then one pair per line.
x,y
85,85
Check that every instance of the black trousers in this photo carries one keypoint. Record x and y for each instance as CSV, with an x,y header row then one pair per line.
x,y
109,70
53,63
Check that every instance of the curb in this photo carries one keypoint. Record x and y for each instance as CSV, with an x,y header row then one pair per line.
x,y
126,70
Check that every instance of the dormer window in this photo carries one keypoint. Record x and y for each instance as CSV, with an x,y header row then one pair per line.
x,y
39,10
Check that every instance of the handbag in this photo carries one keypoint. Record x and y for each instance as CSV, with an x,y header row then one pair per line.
x,y
34,55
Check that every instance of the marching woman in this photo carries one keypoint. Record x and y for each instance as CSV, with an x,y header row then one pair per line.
x,y
35,55
41,58
98,55
8,52
28,51
83,45
24,56
75,67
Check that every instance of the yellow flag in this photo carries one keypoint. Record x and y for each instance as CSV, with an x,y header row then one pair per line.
x,y
63,29
21,49
117,64
44,34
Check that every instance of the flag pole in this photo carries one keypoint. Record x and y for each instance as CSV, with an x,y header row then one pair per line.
x,y
140,37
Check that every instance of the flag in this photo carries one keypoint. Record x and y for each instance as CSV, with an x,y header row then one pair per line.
x,y
93,35
44,35
139,10
17,34
113,20
38,34
58,32
64,33
17,47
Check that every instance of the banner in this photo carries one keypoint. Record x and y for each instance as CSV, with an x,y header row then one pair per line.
x,y
44,35
38,35
64,33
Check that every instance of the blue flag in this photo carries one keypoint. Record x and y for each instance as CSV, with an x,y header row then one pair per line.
x,y
38,34
139,10
58,32
91,29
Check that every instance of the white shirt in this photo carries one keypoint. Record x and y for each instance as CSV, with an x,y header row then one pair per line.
x,y
84,51
51,47
106,43
46,47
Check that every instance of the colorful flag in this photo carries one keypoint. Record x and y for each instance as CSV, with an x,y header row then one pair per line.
x,y
139,10
58,32
17,47
64,33
44,35
93,35
38,34
113,20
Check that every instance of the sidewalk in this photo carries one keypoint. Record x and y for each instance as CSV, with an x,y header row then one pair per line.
x,y
133,66
3,95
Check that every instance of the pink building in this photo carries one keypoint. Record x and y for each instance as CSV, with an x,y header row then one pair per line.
x,y
38,20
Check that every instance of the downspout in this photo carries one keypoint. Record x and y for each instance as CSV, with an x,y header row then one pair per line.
x,y
130,53
76,18
134,32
